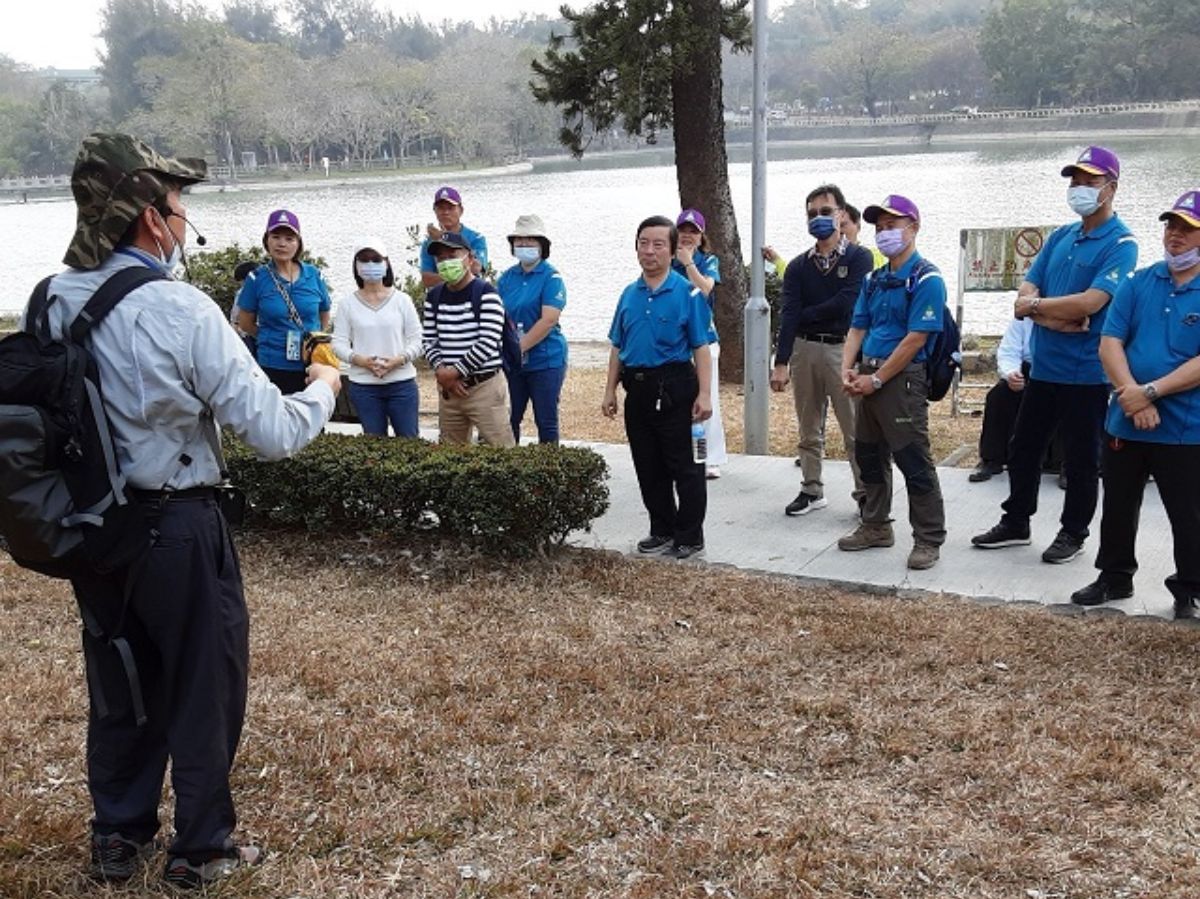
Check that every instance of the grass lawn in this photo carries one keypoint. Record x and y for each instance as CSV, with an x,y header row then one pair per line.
x,y
427,725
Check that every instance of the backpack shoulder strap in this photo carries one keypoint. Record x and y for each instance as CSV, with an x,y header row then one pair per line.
x,y
110,293
920,270
873,278
37,313
477,304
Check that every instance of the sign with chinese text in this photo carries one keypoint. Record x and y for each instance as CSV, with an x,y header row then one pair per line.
x,y
998,258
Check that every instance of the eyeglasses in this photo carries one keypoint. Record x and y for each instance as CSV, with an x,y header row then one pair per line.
x,y
824,210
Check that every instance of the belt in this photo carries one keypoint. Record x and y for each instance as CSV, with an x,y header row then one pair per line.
x,y
832,339
479,379
873,361
654,373
160,496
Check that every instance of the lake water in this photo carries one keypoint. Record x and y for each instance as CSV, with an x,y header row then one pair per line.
x,y
592,214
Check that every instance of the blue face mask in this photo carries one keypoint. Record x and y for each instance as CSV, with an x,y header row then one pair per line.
x,y
822,226
372,271
1083,199
891,241
528,255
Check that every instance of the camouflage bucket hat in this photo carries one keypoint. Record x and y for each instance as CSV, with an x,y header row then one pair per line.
x,y
114,179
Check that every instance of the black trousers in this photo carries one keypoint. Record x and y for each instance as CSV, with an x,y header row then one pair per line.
x,y
1077,411
187,625
1176,471
287,380
658,423
1000,409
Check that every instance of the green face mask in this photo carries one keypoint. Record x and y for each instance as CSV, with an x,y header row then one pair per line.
x,y
452,270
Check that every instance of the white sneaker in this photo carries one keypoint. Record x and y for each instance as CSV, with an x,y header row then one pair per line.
x,y
714,472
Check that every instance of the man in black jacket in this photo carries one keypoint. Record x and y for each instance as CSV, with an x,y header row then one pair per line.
x,y
819,290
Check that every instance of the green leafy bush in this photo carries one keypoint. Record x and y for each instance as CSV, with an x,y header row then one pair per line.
x,y
504,501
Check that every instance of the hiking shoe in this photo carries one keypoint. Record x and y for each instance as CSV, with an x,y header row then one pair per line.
x,y
923,555
188,875
1102,590
683,551
984,471
712,473
868,536
653,544
1063,549
116,858
1187,608
1000,536
805,503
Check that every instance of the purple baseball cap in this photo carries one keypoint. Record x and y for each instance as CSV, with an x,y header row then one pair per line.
x,y
1187,208
1095,161
448,194
894,204
282,218
690,217
449,239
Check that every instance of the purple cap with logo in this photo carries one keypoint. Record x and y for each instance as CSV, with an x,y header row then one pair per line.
x,y
448,194
1095,161
690,217
449,239
282,218
895,205
1187,208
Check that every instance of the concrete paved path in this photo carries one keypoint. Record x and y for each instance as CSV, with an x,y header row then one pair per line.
x,y
746,528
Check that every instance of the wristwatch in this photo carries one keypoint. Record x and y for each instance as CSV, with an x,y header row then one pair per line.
x,y
876,383
1151,392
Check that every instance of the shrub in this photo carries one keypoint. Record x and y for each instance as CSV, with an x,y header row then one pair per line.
x,y
503,501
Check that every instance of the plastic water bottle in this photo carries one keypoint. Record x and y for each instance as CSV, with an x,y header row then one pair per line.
x,y
521,337
699,443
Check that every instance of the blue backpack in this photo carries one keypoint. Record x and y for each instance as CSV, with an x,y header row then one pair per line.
x,y
943,349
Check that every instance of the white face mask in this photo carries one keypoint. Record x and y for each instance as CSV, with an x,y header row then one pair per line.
x,y
527,255
1083,199
175,257
372,271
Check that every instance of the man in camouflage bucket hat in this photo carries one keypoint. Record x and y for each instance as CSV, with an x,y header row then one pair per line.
x,y
116,176
173,372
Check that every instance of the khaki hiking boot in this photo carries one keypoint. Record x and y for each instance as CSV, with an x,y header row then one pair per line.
x,y
868,536
923,555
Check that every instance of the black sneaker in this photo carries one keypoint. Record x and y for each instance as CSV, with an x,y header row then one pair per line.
x,y
805,503
187,875
653,545
1187,608
1063,549
1000,536
1101,590
116,858
984,471
683,551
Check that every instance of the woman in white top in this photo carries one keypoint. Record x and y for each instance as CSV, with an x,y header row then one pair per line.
x,y
377,332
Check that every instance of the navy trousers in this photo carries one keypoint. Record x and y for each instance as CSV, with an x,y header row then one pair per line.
x,y
187,625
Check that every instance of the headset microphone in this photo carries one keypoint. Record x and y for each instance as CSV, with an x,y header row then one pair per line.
x,y
201,240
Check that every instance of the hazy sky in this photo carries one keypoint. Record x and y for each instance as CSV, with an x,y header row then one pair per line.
x,y
62,33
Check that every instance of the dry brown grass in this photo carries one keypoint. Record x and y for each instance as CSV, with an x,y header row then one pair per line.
x,y
593,726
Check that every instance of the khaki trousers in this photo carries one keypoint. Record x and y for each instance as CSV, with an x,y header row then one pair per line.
x,y
815,371
485,407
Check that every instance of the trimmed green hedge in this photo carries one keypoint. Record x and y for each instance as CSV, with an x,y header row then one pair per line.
x,y
504,501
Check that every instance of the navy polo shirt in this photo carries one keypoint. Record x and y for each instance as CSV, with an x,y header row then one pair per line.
x,y
524,294
1159,323
660,326
474,240
1072,262
261,297
886,314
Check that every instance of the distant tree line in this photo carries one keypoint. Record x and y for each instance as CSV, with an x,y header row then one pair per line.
x,y
343,79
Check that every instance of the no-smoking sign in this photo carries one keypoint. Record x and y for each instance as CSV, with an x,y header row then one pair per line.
x,y
1028,242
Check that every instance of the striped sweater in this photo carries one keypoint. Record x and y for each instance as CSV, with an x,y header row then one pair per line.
x,y
454,336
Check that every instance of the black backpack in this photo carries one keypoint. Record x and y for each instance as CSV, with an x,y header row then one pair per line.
x,y
511,357
65,510
943,349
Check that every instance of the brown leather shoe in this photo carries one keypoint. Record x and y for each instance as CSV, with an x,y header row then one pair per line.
x,y
923,555
868,536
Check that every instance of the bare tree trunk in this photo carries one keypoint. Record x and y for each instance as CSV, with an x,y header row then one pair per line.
x,y
702,170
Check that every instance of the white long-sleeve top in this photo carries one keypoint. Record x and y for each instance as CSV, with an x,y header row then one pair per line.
x,y
1014,347
165,355
390,329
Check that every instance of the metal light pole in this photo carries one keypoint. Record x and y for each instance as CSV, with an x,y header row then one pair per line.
x,y
757,315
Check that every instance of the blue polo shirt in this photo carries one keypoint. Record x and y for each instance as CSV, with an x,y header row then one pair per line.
x,y
261,297
474,240
657,327
525,294
709,266
1159,323
886,314
1072,262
